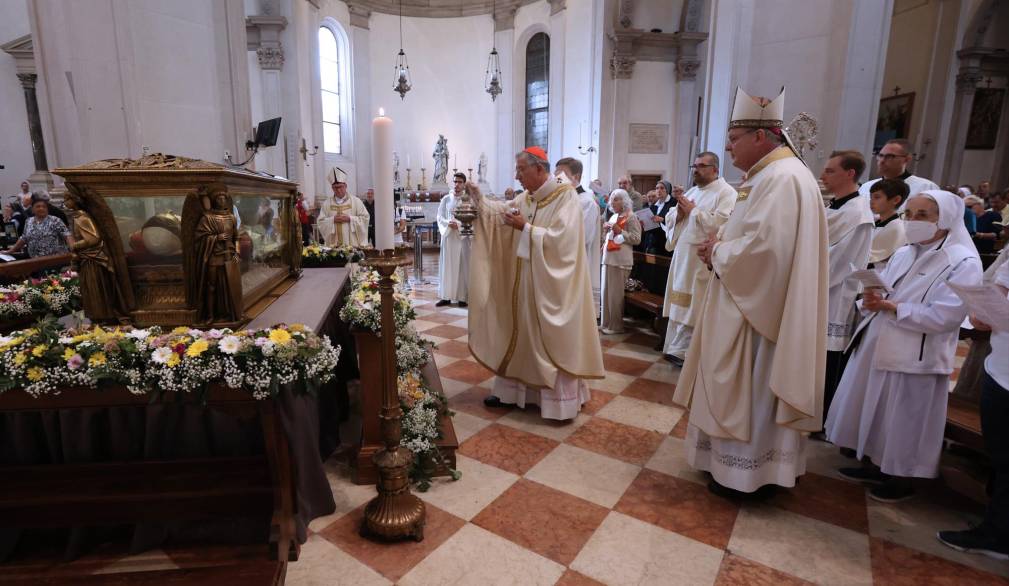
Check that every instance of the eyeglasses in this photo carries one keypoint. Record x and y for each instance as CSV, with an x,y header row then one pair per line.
x,y
889,156
701,166
735,139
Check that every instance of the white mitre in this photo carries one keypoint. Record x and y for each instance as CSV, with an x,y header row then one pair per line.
x,y
336,175
750,112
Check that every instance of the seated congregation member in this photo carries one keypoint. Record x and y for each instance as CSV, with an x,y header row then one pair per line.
x,y
849,229
654,240
887,197
571,169
991,537
891,402
11,224
987,231
699,212
623,231
44,234
453,259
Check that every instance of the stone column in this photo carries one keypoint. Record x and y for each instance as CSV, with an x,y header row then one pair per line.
x,y
966,84
503,165
360,38
684,131
41,177
558,44
263,37
621,70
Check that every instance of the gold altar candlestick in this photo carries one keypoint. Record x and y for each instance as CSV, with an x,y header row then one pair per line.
x,y
423,178
409,182
394,513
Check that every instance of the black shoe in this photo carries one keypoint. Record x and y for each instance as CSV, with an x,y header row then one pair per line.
x,y
463,304
976,540
818,436
891,492
764,492
493,401
849,453
442,303
863,475
678,362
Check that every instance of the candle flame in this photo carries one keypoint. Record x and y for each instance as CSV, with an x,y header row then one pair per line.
x,y
381,111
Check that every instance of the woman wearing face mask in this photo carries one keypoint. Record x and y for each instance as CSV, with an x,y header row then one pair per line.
x,y
891,402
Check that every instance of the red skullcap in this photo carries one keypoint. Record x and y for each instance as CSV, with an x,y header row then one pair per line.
x,y
536,152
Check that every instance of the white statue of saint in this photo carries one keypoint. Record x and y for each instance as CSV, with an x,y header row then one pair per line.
x,y
440,156
395,170
481,169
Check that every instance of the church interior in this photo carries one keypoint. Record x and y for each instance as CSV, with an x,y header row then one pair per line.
x,y
672,292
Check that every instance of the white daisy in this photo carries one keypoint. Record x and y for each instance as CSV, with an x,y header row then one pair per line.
x,y
161,355
229,344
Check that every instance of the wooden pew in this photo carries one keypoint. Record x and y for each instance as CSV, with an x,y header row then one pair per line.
x,y
16,271
650,300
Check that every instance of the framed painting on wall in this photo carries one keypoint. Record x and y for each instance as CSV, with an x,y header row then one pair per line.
x,y
985,115
894,120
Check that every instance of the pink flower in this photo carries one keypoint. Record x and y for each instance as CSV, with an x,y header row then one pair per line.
x,y
75,362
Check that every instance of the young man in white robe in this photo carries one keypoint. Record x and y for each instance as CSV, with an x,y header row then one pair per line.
x,y
753,377
892,161
891,403
886,199
849,228
572,169
343,218
532,321
699,213
453,258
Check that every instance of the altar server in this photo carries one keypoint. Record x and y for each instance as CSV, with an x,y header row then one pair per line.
x,y
532,322
753,378
891,403
572,169
849,228
892,162
886,199
343,218
453,259
699,213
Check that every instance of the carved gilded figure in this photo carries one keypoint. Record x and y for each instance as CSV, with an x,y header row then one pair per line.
x,y
214,278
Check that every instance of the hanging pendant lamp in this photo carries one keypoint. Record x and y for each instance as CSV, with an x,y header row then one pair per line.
x,y
492,77
402,77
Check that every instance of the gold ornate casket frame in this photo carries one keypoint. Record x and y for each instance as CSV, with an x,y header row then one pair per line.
x,y
159,290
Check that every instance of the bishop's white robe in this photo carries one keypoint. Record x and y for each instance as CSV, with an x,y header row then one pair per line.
x,y
850,238
453,259
688,277
915,186
593,243
353,233
753,378
531,318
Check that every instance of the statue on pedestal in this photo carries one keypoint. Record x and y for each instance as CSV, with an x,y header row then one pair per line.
x,y
481,171
106,292
396,182
214,278
440,156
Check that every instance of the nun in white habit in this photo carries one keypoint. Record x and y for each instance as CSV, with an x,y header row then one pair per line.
x,y
891,402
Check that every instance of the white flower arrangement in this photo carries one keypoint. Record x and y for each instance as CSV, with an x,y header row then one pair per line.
x,y
55,294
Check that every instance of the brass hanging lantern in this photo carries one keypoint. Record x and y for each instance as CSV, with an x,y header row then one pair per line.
x,y
402,77
492,78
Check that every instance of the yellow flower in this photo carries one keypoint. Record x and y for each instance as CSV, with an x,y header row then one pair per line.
x,y
68,353
35,374
173,360
180,330
97,359
198,347
39,350
20,358
297,327
279,336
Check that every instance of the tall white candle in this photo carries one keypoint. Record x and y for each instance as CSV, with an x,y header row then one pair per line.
x,y
381,164
408,160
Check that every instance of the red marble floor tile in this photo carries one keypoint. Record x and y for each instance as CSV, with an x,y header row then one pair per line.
x,y
650,390
598,401
466,371
573,578
623,442
507,448
446,331
547,521
680,429
391,559
608,343
471,401
439,317
681,506
625,365
894,564
737,570
453,348
642,339
831,500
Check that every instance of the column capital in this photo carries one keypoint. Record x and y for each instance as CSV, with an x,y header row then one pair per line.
x,y
686,68
557,5
360,15
622,66
28,80
263,36
966,80
271,58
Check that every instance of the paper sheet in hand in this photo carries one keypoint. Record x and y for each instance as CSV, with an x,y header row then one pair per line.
x,y
645,215
986,302
870,278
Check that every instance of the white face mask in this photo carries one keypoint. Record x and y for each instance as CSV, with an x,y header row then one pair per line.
x,y
918,231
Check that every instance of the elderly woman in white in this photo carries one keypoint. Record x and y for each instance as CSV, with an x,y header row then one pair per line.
x,y
623,231
891,401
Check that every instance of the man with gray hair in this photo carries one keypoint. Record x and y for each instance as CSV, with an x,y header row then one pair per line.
x,y
532,320
636,199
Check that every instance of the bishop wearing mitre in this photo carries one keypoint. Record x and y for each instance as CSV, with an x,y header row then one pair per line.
x,y
343,218
753,377
532,318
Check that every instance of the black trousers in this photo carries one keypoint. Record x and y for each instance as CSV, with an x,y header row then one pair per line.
x,y
836,361
994,415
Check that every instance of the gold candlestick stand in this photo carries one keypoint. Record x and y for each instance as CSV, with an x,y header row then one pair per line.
x,y
394,513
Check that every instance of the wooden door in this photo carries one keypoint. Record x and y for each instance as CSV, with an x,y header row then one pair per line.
x,y
644,183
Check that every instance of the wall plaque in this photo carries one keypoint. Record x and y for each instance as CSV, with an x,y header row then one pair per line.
x,y
649,139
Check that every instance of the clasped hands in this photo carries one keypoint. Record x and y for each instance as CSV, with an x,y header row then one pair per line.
x,y
706,248
872,300
341,219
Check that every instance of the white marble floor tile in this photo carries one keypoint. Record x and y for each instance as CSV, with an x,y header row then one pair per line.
x,y
634,351
442,360
643,414
479,485
613,383
591,476
466,425
453,387
348,496
662,371
531,421
671,458
322,564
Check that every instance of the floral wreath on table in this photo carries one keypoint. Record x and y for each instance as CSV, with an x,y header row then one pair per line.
x,y
316,255
56,294
422,406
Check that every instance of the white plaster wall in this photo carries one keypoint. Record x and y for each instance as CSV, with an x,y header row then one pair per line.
x,y
15,148
651,102
909,54
660,14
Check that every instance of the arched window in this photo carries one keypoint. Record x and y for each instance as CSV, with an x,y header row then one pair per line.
x,y
537,90
330,63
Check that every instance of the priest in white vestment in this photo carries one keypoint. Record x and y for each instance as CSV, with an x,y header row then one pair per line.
x,y
699,213
343,218
849,228
532,320
891,403
571,168
753,377
886,198
892,162
453,258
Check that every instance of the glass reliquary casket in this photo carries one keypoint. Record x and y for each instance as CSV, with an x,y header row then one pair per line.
x,y
180,241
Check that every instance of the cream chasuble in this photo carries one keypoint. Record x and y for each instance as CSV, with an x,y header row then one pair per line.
x,y
531,314
688,277
352,233
760,335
